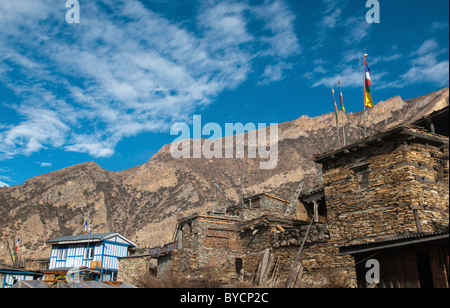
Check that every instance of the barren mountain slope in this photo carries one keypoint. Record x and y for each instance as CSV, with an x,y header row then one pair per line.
x,y
144,202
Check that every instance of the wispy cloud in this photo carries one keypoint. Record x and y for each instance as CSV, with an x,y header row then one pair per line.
x,y
426,66
44,164
423,65
2,184
438,26
4,177
357,29
125,69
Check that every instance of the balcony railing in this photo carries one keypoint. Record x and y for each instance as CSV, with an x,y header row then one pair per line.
x,y
155,251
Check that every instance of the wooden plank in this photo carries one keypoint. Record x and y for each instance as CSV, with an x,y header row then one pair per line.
x,y
386,274
258,272
438,268
280,228
294,278
216,222
274,278
397,267
265,279
298,277
410,270
446,260
264,264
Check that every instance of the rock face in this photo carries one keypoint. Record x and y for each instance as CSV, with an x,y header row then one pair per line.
x,y
145,202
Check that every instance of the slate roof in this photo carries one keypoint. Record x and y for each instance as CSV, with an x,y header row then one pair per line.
x,y
82,237
87,238
393,242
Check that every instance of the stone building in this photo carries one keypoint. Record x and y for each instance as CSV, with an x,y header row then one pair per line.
x,y
392,187
208,247
132,267
262,204
384,197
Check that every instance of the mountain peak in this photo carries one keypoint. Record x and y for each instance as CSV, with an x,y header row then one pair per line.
x,y
145,202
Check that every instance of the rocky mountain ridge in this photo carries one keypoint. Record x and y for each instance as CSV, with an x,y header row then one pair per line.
x,y
144,202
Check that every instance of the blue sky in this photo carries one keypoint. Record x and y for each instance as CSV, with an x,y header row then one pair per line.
x,y
109,88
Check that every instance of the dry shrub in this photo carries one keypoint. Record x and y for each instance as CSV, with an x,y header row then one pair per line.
x,y
336,279
148,280
172,280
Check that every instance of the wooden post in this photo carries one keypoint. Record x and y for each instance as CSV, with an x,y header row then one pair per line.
x,y
343,122
10,254
297,271
315,211
241,175
337,117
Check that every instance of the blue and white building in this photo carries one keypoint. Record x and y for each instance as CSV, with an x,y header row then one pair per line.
x,y
97,252
10,276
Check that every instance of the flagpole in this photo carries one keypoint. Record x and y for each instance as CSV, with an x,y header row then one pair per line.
x,y
16,247
365,117
337,117
343,120
241,176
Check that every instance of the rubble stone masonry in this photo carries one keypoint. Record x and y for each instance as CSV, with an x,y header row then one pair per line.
x,y
402,178
210,246
387,186
394,186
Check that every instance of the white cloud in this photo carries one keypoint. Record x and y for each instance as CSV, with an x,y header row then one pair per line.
x,y
436,73
2,184
4,177
274,73
280,22
426,67
438,26
84,87
331,18
42,127
428,46
357,29
92,148
330,21
350,77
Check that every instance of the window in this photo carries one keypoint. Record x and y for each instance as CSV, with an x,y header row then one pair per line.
x,y
255,203
362,176
89,253
239,265
62,254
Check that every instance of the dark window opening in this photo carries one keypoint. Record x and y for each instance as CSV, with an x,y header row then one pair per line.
x,y
362,176
424,268
255,203
239,265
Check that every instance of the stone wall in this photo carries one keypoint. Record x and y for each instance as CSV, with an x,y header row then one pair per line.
x,y
377,189
210,246
430,186
386,189
319,259
401,179
264,204
254,242
133,267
